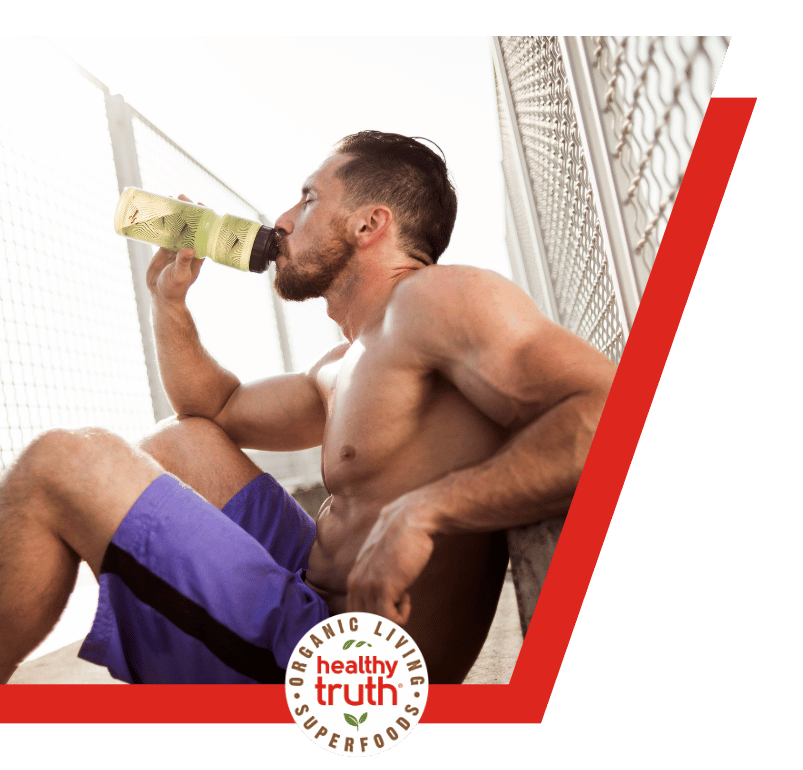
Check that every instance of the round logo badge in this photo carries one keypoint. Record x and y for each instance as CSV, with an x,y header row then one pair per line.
x,y
356,684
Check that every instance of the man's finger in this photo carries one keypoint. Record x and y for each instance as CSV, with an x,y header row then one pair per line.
x,y
355,603
184,257
183,197
404,606
161,259
377,601
398,612
196,266
387,609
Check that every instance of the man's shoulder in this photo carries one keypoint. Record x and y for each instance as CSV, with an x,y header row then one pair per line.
x,y
442,309
441,289
455,309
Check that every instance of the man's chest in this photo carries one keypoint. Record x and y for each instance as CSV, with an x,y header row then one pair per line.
x,y
389,417
374,397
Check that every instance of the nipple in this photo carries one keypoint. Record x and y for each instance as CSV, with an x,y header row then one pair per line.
x,y
348,452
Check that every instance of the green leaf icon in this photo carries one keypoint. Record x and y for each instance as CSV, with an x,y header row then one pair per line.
x,y
352,721
359,644
362,718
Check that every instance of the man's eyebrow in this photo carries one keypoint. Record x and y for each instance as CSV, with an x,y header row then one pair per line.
x,y
308,187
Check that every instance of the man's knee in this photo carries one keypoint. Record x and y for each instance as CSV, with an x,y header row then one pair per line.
x,y
201,454
79,484
60,456
62,472
180,433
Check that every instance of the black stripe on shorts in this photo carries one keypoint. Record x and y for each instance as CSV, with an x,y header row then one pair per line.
x,y
237,653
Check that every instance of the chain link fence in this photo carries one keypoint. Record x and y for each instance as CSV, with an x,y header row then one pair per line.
x,y
596,135
76,346
652,93
576,263
70,346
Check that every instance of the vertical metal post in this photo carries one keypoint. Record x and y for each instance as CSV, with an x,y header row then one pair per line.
x,y
551,307
530,547
601,177
121,129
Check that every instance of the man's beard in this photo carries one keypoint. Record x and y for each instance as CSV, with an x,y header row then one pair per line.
x,y
312,272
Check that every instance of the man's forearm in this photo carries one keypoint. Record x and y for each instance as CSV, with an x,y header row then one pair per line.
x,y
194,382
531,478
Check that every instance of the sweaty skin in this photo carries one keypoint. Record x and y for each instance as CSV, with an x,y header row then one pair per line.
x,y
458,411
454,411
392,427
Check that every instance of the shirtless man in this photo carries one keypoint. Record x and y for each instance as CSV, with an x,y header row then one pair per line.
x,y
454,410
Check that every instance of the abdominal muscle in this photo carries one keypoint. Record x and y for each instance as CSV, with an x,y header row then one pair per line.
x,y
454,600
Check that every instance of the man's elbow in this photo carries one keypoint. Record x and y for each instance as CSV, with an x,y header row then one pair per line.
x,y
590,407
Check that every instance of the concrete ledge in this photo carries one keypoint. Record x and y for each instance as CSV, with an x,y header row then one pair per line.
x,y
531,549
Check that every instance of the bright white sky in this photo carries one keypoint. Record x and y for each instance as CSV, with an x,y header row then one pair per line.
x,y
262,113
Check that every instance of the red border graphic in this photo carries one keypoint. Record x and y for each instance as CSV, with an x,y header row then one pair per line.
x,y
525,699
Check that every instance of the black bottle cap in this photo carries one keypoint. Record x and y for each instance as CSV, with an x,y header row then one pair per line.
x,y
264,251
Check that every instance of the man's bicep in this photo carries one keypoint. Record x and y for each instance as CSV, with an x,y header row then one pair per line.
x,y
281,413
502,353
504,371
514,378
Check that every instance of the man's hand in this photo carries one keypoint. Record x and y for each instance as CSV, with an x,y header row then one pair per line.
x,y
170,274
391,559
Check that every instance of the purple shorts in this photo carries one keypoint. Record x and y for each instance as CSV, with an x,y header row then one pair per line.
x,y
190,594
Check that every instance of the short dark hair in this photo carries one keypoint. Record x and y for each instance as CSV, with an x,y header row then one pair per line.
x,y
408,177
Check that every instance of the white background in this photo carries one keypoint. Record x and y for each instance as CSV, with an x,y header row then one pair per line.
x,y
263,113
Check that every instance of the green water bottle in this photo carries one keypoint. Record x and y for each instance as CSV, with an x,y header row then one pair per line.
x,y
177,224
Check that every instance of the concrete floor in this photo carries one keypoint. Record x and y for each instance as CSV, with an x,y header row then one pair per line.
x,y
501,649
494,665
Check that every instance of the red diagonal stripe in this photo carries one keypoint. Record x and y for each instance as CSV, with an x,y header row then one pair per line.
x,y
526,697
637,378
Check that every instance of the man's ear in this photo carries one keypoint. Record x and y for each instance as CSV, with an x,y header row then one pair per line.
x,y
371,224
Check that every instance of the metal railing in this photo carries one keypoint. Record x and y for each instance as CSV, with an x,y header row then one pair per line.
x,y
596,135
76,344
71,351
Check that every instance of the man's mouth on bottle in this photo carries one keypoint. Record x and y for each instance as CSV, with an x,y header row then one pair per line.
x,y
282,252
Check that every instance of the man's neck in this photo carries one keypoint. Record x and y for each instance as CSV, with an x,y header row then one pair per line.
x,y
357,299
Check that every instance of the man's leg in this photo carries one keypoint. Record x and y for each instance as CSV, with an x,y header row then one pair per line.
x,y
239,569
200,453
61,502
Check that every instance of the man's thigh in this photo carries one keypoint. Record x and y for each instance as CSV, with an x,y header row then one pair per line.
x,y
199,452
189,595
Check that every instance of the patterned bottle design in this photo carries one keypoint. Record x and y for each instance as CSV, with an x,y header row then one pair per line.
x,y
176,224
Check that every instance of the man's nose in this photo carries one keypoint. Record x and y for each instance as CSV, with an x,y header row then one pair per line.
x,y
285,223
